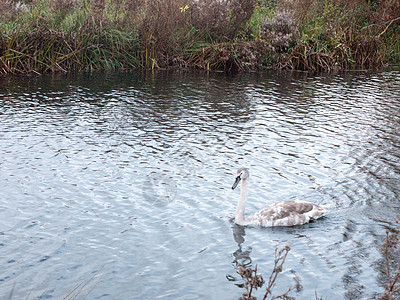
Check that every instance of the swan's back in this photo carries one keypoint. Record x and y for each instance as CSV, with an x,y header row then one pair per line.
x,y
287,213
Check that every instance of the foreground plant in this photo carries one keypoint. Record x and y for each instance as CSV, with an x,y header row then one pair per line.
x,y
388,249
254,281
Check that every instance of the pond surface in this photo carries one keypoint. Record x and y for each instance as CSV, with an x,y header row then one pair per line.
x,y
118,186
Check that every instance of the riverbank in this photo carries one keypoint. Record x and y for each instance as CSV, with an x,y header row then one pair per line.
x,y
80,35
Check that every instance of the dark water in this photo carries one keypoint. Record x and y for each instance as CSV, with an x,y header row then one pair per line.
x,y
118,186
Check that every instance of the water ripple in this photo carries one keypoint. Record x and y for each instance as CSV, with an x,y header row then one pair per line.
x,y
122,182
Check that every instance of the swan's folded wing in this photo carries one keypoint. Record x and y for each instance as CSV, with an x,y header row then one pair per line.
x,y
287,213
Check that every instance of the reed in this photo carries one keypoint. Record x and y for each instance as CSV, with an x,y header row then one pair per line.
x,y
343,35
45,38
231,35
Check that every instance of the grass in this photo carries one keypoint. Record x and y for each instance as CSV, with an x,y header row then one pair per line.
x,y
42,39
39,36
80,291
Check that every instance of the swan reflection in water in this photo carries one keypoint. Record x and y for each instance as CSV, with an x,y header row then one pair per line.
x,y
241,257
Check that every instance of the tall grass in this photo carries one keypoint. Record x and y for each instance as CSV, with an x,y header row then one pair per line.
x,y
342,35
232,35
64,36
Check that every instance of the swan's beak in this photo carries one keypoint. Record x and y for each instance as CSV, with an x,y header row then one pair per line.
x,y
237,180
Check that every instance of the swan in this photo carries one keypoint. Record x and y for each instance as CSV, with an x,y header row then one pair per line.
x,y
284,213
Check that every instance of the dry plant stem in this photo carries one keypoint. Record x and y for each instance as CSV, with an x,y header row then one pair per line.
x,y
390,23
316,296
395,280
280,258
79,289
227,35
251,279
390,243
251,284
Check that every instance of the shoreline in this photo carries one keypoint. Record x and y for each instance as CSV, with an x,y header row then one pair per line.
x,y
46,36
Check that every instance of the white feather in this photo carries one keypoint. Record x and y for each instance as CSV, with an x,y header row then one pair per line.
x,y
284,213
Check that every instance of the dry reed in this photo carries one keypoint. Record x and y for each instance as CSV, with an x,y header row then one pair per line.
x,y
231,35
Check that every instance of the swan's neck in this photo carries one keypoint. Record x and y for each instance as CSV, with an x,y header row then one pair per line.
x,y
244,187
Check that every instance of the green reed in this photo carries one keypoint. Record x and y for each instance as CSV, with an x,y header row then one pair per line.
x,y
74,35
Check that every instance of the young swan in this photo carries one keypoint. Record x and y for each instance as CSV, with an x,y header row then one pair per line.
x,y
284,213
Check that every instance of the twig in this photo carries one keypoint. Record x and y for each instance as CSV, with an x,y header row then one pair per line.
x,y
395,280
251,279
390,242
279,261
390,23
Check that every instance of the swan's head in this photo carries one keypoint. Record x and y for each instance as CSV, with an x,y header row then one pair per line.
x,y
242,174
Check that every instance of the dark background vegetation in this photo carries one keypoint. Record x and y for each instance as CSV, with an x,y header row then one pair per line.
x,y
231,35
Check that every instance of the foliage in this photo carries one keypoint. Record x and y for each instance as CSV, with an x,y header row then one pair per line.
x,y
231,35
262,13
64,36
342,35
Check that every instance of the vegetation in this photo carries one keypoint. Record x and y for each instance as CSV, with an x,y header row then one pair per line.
x,y
389,268
232,35
391,264
253,281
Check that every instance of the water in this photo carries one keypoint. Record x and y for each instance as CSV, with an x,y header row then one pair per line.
x,y
118,186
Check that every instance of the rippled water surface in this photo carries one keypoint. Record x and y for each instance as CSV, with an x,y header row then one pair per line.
x,y
118,186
